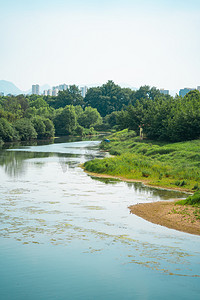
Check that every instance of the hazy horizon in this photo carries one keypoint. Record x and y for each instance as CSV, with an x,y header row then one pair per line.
x,y
147,42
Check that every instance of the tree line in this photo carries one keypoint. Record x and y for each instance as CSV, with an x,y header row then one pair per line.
x,y
109,106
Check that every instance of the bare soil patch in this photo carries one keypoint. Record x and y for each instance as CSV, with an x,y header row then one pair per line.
x,y
167,213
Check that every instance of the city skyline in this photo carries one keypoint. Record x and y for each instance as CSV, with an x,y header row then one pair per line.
x,y
82,42
53,90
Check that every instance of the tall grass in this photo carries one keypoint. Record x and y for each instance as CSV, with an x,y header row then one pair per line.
x,y
162,164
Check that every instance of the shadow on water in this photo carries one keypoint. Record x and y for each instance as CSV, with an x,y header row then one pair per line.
x,y
14,155
139,187
14,163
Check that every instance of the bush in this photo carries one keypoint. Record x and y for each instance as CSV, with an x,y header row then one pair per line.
x,y
146,173
191,200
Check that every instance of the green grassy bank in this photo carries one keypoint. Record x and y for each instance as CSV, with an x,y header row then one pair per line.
x,y
171,165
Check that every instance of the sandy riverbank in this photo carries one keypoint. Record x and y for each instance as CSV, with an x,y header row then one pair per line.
x,y
167,214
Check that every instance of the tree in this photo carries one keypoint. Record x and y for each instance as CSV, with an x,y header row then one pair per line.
x,y
65,121
90,117
7,132
108,98
49,128
38,103
71,96
25,129
39,126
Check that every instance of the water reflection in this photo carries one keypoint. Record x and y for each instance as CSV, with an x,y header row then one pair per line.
x,y
13,158
138,187
47,199
13,162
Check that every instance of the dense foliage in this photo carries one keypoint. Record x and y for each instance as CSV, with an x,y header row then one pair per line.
x,y
109,106
30,117
164,117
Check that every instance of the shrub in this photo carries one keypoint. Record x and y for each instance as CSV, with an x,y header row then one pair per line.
x,y
191,200
146,173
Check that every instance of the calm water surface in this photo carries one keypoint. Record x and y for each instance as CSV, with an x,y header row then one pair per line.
x,y
66,235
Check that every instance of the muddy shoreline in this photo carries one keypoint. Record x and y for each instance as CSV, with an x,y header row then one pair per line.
x,y
169,214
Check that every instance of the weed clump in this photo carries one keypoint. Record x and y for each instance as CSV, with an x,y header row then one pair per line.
x,y
191,200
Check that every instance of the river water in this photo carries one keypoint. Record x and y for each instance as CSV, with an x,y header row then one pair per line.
x,y
67,235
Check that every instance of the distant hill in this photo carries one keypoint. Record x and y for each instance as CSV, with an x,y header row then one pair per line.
x,y
8,87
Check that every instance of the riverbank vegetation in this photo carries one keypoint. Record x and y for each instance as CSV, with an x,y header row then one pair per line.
x,y
24,118
192,200
164,164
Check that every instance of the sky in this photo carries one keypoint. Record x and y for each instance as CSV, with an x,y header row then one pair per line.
x,y
146,42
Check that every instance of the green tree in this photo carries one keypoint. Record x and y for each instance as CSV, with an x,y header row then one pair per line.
x,y
25,129
7,132
49,128
90,117
65,121
39,126
108,98
71,96
38,103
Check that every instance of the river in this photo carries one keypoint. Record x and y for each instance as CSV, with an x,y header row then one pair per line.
x,y
67,235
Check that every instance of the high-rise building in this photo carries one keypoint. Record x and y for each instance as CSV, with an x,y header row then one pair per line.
x,y
62,87
45,93
1,94
83,91
55,92
49,92
165,92
184,91
198,88
36,89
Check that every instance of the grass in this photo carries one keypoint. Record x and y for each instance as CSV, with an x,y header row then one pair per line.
x,y
174,165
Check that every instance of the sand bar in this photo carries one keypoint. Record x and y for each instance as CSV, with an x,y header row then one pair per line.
x,y
168,214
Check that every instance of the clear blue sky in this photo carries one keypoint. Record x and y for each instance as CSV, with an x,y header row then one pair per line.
x,y
83,42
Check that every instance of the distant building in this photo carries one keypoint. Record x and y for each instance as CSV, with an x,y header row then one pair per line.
x,y
62,87
55,91
165,92
198,88
49,92
35,89
184,91
1,94
45,93
83,91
